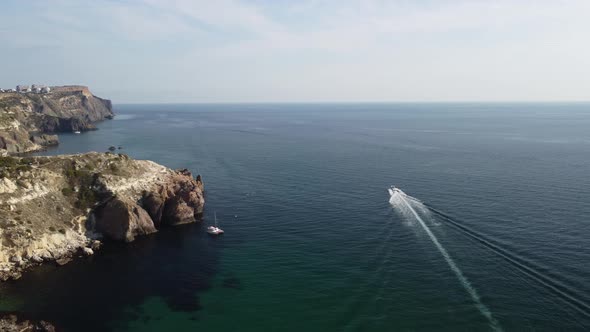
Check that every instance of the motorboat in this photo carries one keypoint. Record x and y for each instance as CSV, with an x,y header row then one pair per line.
x,y
394,190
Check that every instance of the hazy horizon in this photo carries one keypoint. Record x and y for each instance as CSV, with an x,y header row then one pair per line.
x,y
149,51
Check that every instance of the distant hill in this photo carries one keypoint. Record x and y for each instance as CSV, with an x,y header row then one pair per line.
x,y
29,121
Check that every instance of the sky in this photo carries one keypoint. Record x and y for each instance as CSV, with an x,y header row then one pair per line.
x,y
180,51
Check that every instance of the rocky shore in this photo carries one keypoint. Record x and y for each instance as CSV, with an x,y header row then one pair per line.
x,y
30,121
53,209
12,323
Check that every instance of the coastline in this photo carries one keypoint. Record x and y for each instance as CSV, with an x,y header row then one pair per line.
x,y
31,121
58,208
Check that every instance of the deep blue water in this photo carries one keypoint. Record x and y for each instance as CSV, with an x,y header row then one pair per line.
x,y
312,242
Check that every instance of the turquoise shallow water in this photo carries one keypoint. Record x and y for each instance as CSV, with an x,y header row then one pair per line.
x,y
312,242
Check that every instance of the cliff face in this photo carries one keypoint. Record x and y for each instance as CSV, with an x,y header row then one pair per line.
x,y
53,208
26,117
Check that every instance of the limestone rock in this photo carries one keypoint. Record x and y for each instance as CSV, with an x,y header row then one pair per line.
x,y
55,208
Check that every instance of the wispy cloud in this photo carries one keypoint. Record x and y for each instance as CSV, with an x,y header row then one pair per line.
x,y
366,49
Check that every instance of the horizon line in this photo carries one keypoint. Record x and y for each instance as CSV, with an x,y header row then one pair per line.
x,y
360,102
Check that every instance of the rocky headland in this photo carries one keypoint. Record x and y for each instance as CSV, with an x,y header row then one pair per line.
x,y
30,121
53,209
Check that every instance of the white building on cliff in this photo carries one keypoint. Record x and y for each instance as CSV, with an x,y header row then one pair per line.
x,y
23,88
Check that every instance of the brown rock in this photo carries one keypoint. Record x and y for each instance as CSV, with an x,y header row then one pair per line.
x,y
176,211
122,219
153,203
45,140
177,201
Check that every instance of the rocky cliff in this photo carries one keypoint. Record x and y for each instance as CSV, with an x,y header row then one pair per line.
x,y
28,121
54,208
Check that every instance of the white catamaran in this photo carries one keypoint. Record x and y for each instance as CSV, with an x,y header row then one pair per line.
x,y
214,230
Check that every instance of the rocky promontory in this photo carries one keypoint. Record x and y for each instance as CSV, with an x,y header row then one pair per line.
x,y
56,208
29,121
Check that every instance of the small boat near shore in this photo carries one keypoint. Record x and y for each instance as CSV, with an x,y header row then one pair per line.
x,y
214,230
77,132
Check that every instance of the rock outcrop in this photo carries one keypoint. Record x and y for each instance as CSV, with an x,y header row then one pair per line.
x,y
123,219
11,323
55,208
26,117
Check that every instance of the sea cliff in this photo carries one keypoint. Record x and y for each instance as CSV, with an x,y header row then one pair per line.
x,y
30,121
60,207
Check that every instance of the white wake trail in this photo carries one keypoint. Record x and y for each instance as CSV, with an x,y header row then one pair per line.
x,y
400,197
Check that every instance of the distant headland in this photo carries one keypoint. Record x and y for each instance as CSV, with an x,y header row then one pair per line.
x,y
31,116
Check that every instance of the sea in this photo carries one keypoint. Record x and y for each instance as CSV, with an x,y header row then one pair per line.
x,y
489,231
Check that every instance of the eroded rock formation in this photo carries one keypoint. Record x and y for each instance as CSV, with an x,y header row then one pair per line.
x,y
54,208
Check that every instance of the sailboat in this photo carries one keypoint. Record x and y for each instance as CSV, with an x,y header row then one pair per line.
x,y
214,230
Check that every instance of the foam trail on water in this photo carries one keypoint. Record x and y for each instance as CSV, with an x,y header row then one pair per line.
x,y
529,268
400,197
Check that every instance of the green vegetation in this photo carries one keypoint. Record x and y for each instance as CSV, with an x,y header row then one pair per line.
x,y
67,191
10,101
27,160
35,98
23,168
6,119
114,168
10,165
8,162
85,180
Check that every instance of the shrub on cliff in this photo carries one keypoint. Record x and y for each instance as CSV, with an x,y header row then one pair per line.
x,y
85,181
8,162
10,165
